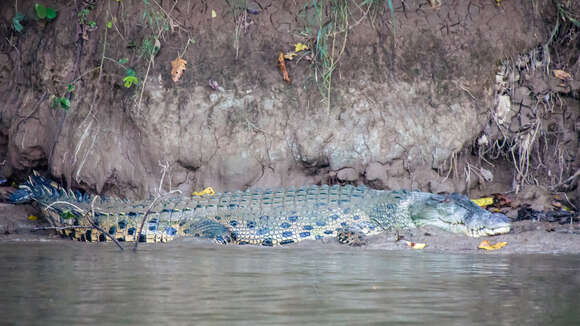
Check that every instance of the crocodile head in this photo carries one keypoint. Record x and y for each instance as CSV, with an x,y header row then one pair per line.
x,y
458,214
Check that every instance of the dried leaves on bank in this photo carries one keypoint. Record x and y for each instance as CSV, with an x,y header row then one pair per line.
x,y
178,66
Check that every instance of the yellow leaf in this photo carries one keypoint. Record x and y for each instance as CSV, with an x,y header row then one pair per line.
x,y
207,191
416,245
485,244
561,74
213,14
32,218
300,47
290,56
483,201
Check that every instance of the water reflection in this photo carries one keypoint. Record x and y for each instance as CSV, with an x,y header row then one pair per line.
x,y
177,284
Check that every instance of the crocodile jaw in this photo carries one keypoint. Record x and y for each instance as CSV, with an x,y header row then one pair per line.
x,y
485,223
489,231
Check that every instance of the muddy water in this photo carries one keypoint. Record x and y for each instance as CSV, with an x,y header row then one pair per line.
x,y
70,283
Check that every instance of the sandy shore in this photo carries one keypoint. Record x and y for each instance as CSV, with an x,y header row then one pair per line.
x,y
526,236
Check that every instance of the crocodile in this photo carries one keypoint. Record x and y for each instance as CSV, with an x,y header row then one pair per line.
x,y
258,217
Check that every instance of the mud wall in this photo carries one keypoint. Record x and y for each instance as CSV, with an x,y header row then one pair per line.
x,y
409,91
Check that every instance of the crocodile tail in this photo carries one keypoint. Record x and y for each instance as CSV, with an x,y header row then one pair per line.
x,y
44,190
23,195
29,190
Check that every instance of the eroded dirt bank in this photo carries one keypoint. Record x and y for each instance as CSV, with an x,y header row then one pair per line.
x,y
408,94
458,97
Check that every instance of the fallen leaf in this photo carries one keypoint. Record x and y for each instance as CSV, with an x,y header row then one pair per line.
x,y
416,245
32,218
207,191
485,244
178,66
213,14
290,56
300,47
561,74
282,66
482,202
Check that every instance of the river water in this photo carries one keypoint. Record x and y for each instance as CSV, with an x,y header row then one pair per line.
x,y
71,283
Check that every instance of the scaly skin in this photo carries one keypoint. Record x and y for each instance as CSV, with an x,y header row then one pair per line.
x,y
266,217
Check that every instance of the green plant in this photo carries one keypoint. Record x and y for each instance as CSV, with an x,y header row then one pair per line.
x,y
63,102
67,215
565,13
330,19
239,11
327,26
158,23
155,19
44,12
130,78
149,48
84,16
17,21
376,5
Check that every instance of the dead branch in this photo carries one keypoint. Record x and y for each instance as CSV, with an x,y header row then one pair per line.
x,y
59,228
164,169
92,212
569,180
87,216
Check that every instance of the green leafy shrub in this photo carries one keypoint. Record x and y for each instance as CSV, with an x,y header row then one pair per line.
x,y
44,12
63,102
17,21
130,78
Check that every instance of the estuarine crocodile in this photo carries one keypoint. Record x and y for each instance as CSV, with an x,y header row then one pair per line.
x,y
260,217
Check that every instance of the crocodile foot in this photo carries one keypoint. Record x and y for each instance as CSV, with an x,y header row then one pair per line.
x,y
351,237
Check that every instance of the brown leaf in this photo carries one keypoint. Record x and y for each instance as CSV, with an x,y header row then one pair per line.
x,y
282,66
178,66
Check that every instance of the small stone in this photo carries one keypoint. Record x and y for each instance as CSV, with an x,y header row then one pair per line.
x,y
253,8
347,174
375,171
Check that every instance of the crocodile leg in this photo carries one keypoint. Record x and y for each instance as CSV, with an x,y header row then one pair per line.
x,y
209,229
352,236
